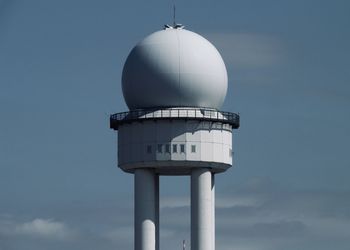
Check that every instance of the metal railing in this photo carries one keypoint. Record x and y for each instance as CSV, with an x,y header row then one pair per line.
x,y
174,113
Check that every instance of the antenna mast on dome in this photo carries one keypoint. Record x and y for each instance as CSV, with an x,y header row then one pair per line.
x,y
175,25
174,16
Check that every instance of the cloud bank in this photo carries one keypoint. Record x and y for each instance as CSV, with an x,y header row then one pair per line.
x,y
257,215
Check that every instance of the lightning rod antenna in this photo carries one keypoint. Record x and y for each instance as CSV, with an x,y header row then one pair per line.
x,y
174,15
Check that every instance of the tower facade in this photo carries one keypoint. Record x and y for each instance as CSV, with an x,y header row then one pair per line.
x,y
174,82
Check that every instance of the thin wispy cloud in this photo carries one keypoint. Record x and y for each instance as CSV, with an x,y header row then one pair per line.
x,y
124,234
46,228
249,50
37,228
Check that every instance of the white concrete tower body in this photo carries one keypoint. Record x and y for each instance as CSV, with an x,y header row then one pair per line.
x,y
174,82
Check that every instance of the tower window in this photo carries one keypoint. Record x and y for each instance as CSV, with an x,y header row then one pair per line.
x,y
230,152
193,148
174,148
149,149
167,148
159,148
182,148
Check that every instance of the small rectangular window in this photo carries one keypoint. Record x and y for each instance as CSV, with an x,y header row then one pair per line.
x,y
167,148
149,149
182,148
193,148
174,148
231,152
160,148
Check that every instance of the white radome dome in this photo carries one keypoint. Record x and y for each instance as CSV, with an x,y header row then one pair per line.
x,y
174,68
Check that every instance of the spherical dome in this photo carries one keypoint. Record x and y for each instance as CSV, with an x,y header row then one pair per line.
x,y
174,68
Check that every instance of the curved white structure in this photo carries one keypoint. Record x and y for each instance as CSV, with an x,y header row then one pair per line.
x,y
174,81
146,209
202,210
175,147
174,68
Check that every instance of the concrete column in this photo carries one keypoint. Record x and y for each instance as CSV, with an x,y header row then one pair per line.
x,y
145,209
201,210
213,209
157,211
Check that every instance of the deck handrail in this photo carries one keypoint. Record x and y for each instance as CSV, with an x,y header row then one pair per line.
x,y
118,119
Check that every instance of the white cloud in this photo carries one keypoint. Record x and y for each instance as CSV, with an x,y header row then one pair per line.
x,y
249,50
38,228
237,201
44,228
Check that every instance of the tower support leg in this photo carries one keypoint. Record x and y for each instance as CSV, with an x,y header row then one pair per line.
x,y
146,209
213,210
201,210
157,211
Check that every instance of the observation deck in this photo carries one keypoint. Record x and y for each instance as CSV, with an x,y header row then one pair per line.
x,y
198,114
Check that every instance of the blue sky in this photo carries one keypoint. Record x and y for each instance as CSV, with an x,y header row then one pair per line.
x,y
60,70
